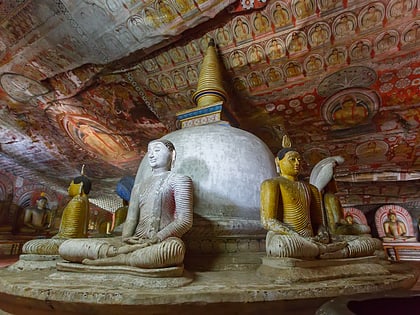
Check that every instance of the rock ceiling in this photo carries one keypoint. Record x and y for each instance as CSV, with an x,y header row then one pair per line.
x,y
92,81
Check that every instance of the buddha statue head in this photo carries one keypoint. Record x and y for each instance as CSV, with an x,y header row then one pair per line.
x,y
42,202
80,185
288,160
161,155
392,216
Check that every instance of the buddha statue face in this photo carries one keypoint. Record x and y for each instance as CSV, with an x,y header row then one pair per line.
x,y
41,203
289,165
159,156
349,219
392,217
74,189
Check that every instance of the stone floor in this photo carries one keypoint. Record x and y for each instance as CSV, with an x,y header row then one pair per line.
x,y
222,292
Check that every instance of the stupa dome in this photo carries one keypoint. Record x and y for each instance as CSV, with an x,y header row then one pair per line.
x,y
227,166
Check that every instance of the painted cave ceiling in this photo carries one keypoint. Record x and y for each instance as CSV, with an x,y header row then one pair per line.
x,y
93,81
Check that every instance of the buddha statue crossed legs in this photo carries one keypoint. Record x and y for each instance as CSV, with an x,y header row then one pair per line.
x,y
291,212
160,212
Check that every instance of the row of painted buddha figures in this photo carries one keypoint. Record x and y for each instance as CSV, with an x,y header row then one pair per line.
x,y
161,212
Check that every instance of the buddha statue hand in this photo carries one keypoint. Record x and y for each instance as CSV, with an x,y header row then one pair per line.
x,y
134,240
131,248
323,236
333,250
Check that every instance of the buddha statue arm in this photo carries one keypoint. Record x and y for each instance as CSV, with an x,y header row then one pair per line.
x,y
387,229
132,214
270,208
27,219
402,229
317,217
183,213
334,211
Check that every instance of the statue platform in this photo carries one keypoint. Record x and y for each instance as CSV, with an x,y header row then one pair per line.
x,y
48,291
402,250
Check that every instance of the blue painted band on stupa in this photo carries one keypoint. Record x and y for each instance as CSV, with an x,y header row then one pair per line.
x,y
201,111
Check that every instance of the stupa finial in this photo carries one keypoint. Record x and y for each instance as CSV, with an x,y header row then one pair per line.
x,y
210,84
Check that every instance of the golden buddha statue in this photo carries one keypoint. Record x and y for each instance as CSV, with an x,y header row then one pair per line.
x,y
120,215
74,221
394,229
123,190
291,212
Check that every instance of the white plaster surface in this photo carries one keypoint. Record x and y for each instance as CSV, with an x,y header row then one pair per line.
x,y
227,166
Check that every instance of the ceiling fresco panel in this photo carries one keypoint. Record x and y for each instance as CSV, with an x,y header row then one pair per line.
x,y
91,82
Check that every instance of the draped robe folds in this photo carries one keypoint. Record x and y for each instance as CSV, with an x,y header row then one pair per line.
x,y
160,207
291,212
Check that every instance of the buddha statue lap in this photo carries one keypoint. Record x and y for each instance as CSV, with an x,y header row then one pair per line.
x,y
291,212
160,212
74,221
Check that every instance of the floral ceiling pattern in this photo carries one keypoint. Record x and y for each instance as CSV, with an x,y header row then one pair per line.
x,y
91,82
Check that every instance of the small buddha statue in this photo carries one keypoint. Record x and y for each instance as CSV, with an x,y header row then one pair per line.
x,y
322,177
394,229
74,221
123,190
349,219
291,212
160,212
38,218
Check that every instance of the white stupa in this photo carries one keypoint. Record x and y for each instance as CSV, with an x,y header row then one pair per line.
x,y
227,166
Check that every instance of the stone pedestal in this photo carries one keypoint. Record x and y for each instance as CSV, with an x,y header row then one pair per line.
x,y
290,270
212,292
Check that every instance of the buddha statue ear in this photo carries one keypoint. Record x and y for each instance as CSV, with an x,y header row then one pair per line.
x,y
81,188
173,157
276,161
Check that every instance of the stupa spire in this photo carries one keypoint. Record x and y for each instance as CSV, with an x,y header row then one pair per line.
x,y
210,84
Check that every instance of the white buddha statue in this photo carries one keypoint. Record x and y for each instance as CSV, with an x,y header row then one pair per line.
x,y
160,212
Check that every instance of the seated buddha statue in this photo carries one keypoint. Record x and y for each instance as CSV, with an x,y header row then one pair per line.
x,y
291,212
38,218
160,212
74,221
394,229
322,177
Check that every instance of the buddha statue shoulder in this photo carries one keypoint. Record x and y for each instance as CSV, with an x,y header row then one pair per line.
x,y
159,214
291,212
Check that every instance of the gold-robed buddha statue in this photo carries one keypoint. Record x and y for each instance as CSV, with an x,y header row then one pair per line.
x,y
291,212
74,221
395,230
